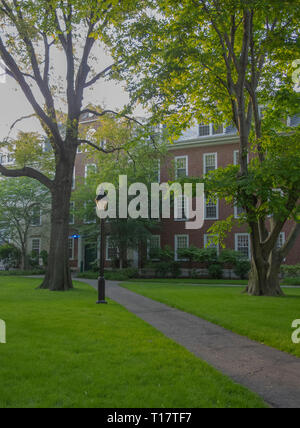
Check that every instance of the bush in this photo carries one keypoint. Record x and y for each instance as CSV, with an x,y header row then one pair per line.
x,y
290,271
115,275
10,256
44,257
242,268
175,270
162,269
215,271
22,272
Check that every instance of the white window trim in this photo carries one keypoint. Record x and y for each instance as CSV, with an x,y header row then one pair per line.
x,y
73,249
149,248
31,244
186,167
204,161
237,235
107,248
206,241
40,222
236,216
187,208
72,206
211,130
87,167
177,259
74,179
217,209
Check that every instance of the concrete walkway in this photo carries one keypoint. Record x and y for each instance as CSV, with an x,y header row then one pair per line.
x,y
272,374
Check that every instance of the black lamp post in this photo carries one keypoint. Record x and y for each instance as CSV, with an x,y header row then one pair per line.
x,y
101,202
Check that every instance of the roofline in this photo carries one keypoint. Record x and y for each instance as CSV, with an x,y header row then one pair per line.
x,y
203,142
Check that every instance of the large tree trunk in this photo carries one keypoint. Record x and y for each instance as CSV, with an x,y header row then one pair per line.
x,y
264,277
58,275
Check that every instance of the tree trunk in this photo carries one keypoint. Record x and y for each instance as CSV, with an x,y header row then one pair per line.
x,y
58,275
264,277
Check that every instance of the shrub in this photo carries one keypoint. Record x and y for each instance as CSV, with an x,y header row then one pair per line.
x,y
215,271
10,255
175,270
290,271
242,268
44,257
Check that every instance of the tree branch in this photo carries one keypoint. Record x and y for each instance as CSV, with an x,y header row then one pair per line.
x,y
101,74
27,172
100,149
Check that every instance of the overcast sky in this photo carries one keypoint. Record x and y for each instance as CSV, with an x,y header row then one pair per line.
x,y
14,105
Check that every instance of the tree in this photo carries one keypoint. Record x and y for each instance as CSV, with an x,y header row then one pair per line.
x,y
22,200
139,161
220,61
33,31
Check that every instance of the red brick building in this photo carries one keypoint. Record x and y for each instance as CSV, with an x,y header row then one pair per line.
x,y
199,150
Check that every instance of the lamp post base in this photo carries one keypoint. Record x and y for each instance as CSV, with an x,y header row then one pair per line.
x,y
101,302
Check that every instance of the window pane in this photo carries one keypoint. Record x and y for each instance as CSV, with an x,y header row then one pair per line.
x,y
181,167
204,130
243,245
211,210
210,163
218,129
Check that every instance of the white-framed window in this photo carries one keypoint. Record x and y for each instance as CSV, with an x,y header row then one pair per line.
x,y
210,162
211,129
209,242
211,210
238,211
74,179
36,246
242,244
90,169
112,252
182,208
204,130
157,172
71,248
181,166
72,213
281,240
154,244
90,135
181,243
236,157
36,219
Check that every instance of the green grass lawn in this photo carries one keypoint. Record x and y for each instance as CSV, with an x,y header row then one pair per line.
x,y
264,319
63,350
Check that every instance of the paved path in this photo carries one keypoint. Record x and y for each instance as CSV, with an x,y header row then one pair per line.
x,y
273,374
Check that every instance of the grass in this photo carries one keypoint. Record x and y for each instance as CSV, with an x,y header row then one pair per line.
x,y
120,276
64,351
264,319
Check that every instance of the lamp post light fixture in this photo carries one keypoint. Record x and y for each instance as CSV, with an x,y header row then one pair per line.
x,y
101,203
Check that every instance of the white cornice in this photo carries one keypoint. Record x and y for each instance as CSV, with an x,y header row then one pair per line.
x,y
204,142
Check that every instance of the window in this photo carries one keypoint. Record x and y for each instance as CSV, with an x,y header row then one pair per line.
x,y
156,173
181,243
210,162
36,216
153,246
204,130
36,246
211,129
181,166
218,129
281,240
242,244
71,248
112,252
210,243
238,211
182,208
236,157
211,210
72,214
90,169
73,180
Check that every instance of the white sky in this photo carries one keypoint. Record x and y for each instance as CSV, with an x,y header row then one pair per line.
x,y
14,105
